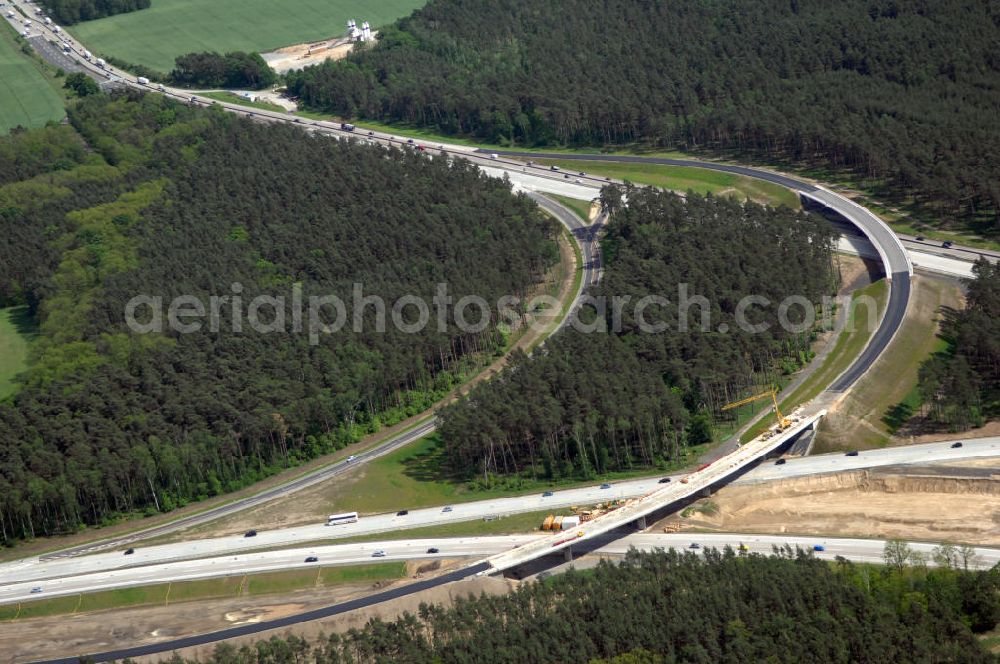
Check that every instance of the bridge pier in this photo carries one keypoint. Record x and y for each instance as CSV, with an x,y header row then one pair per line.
x,y
568,554
640,523
706,492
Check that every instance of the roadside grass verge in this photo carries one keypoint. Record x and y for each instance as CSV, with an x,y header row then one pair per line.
x,y
417,476
848,346
165,594
30,95
580,207
682,179
233,98
883,402
512,524
155,36
17,331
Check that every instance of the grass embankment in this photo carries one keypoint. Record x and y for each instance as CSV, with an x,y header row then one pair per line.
x,y
682,179
859,327
581,208
886,398
416,476
514,524
30,95
155,36
185,591
232,98
17,331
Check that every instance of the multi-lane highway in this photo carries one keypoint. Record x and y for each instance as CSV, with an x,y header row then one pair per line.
x,y
924,453
142,565
35,571
309,479
857,550
443,548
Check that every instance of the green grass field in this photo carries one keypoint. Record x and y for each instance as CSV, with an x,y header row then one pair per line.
x,y
16,334
27,98
154,37
684,178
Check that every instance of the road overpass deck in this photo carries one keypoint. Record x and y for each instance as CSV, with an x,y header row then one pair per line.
x,y
697,483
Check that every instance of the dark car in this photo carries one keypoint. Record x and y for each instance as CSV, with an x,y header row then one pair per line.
x,y
402,512
819,547
852,453
956,445
664,480
582,173
605,486
947,244
779,462
547,494
433,549
129,552
920,238
409,141
371,133
312,559
694,545
250,533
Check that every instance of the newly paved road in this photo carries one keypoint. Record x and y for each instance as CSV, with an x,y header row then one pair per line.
x,y
857,550
922,262
924,453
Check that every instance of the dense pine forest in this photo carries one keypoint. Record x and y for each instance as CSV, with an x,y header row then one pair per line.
x,y
69,12
232,70
594,402
145,196
904,93
659,607
961,385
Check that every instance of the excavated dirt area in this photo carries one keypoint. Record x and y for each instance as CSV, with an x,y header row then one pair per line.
x,y
30,640
930,504
298,56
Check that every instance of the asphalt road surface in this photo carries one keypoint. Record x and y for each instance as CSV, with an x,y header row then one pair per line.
x,y
35,570
895,258
857,550
421,549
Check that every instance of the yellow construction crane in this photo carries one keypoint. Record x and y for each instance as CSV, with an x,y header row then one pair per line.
x,y
783,422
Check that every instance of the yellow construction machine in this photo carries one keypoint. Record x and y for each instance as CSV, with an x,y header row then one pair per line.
x,y
783,422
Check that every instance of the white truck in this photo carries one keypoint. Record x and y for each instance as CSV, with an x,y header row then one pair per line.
x,y
48,21
101,63
66,47
87,55
143,80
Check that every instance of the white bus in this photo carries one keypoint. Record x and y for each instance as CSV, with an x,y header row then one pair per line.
x,y
341,519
